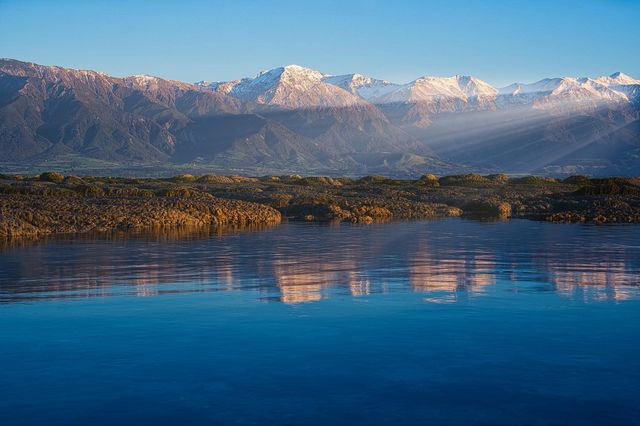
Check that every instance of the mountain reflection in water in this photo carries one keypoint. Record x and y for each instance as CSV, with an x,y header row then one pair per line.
x,y
448,261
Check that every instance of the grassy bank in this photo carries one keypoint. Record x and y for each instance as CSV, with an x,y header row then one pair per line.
x,y
52,203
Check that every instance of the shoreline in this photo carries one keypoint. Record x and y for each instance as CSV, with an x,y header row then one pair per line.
x,y
53,204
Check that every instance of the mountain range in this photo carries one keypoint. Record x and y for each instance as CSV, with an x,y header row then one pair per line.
x,y
294,119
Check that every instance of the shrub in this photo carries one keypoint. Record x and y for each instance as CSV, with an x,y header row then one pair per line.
x,y
378,180
213,179
314,209
89,190
224,179
51,177
318,181
372,179
280,201
183,178
428,179
176,192
471,179
487,208
533,180
73,180
610,186
498,177
128,192
614,180
577,180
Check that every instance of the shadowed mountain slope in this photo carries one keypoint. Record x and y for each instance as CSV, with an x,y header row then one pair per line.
x,y
51,112
294,119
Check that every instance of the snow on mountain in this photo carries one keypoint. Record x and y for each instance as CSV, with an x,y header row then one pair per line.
x,y
225,86
292,86
362,85
143,81
144,78
219,86
546,85
631,91
602,91
617,78
443,94
623,83
359,123
474,87
565,92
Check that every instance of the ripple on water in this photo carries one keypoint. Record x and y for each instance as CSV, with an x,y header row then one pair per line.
x,y
298,262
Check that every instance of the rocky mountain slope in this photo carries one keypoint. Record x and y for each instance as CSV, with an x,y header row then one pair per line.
x,y
287,119
366,87
555,125
298,120
49,111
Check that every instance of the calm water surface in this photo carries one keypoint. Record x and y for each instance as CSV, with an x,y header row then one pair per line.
x,y
447,322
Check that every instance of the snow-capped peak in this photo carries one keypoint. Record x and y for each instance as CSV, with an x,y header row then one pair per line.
x,y
565,92
295,86
429,89
542,86
618,78
147,82
289,72
144,78
362,85
472,86
291,86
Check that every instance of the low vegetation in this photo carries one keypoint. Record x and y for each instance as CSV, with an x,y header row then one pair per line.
x,y
52,203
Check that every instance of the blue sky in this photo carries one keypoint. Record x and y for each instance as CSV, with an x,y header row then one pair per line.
x,y
189,40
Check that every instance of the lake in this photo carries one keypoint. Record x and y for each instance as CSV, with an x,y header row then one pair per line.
x,y
448,322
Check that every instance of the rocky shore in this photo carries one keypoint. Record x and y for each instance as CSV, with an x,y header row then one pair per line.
x,y
52,203
34,210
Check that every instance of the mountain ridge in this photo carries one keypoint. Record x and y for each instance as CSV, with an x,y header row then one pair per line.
x,y
297,119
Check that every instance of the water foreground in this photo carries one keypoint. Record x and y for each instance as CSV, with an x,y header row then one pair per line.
x,y
445,322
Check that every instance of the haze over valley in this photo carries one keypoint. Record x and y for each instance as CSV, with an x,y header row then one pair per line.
x,y
298,120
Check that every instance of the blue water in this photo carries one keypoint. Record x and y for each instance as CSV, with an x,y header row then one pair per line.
x,y
449,322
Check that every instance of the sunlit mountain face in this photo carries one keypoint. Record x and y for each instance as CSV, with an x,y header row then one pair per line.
x,y
299,120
